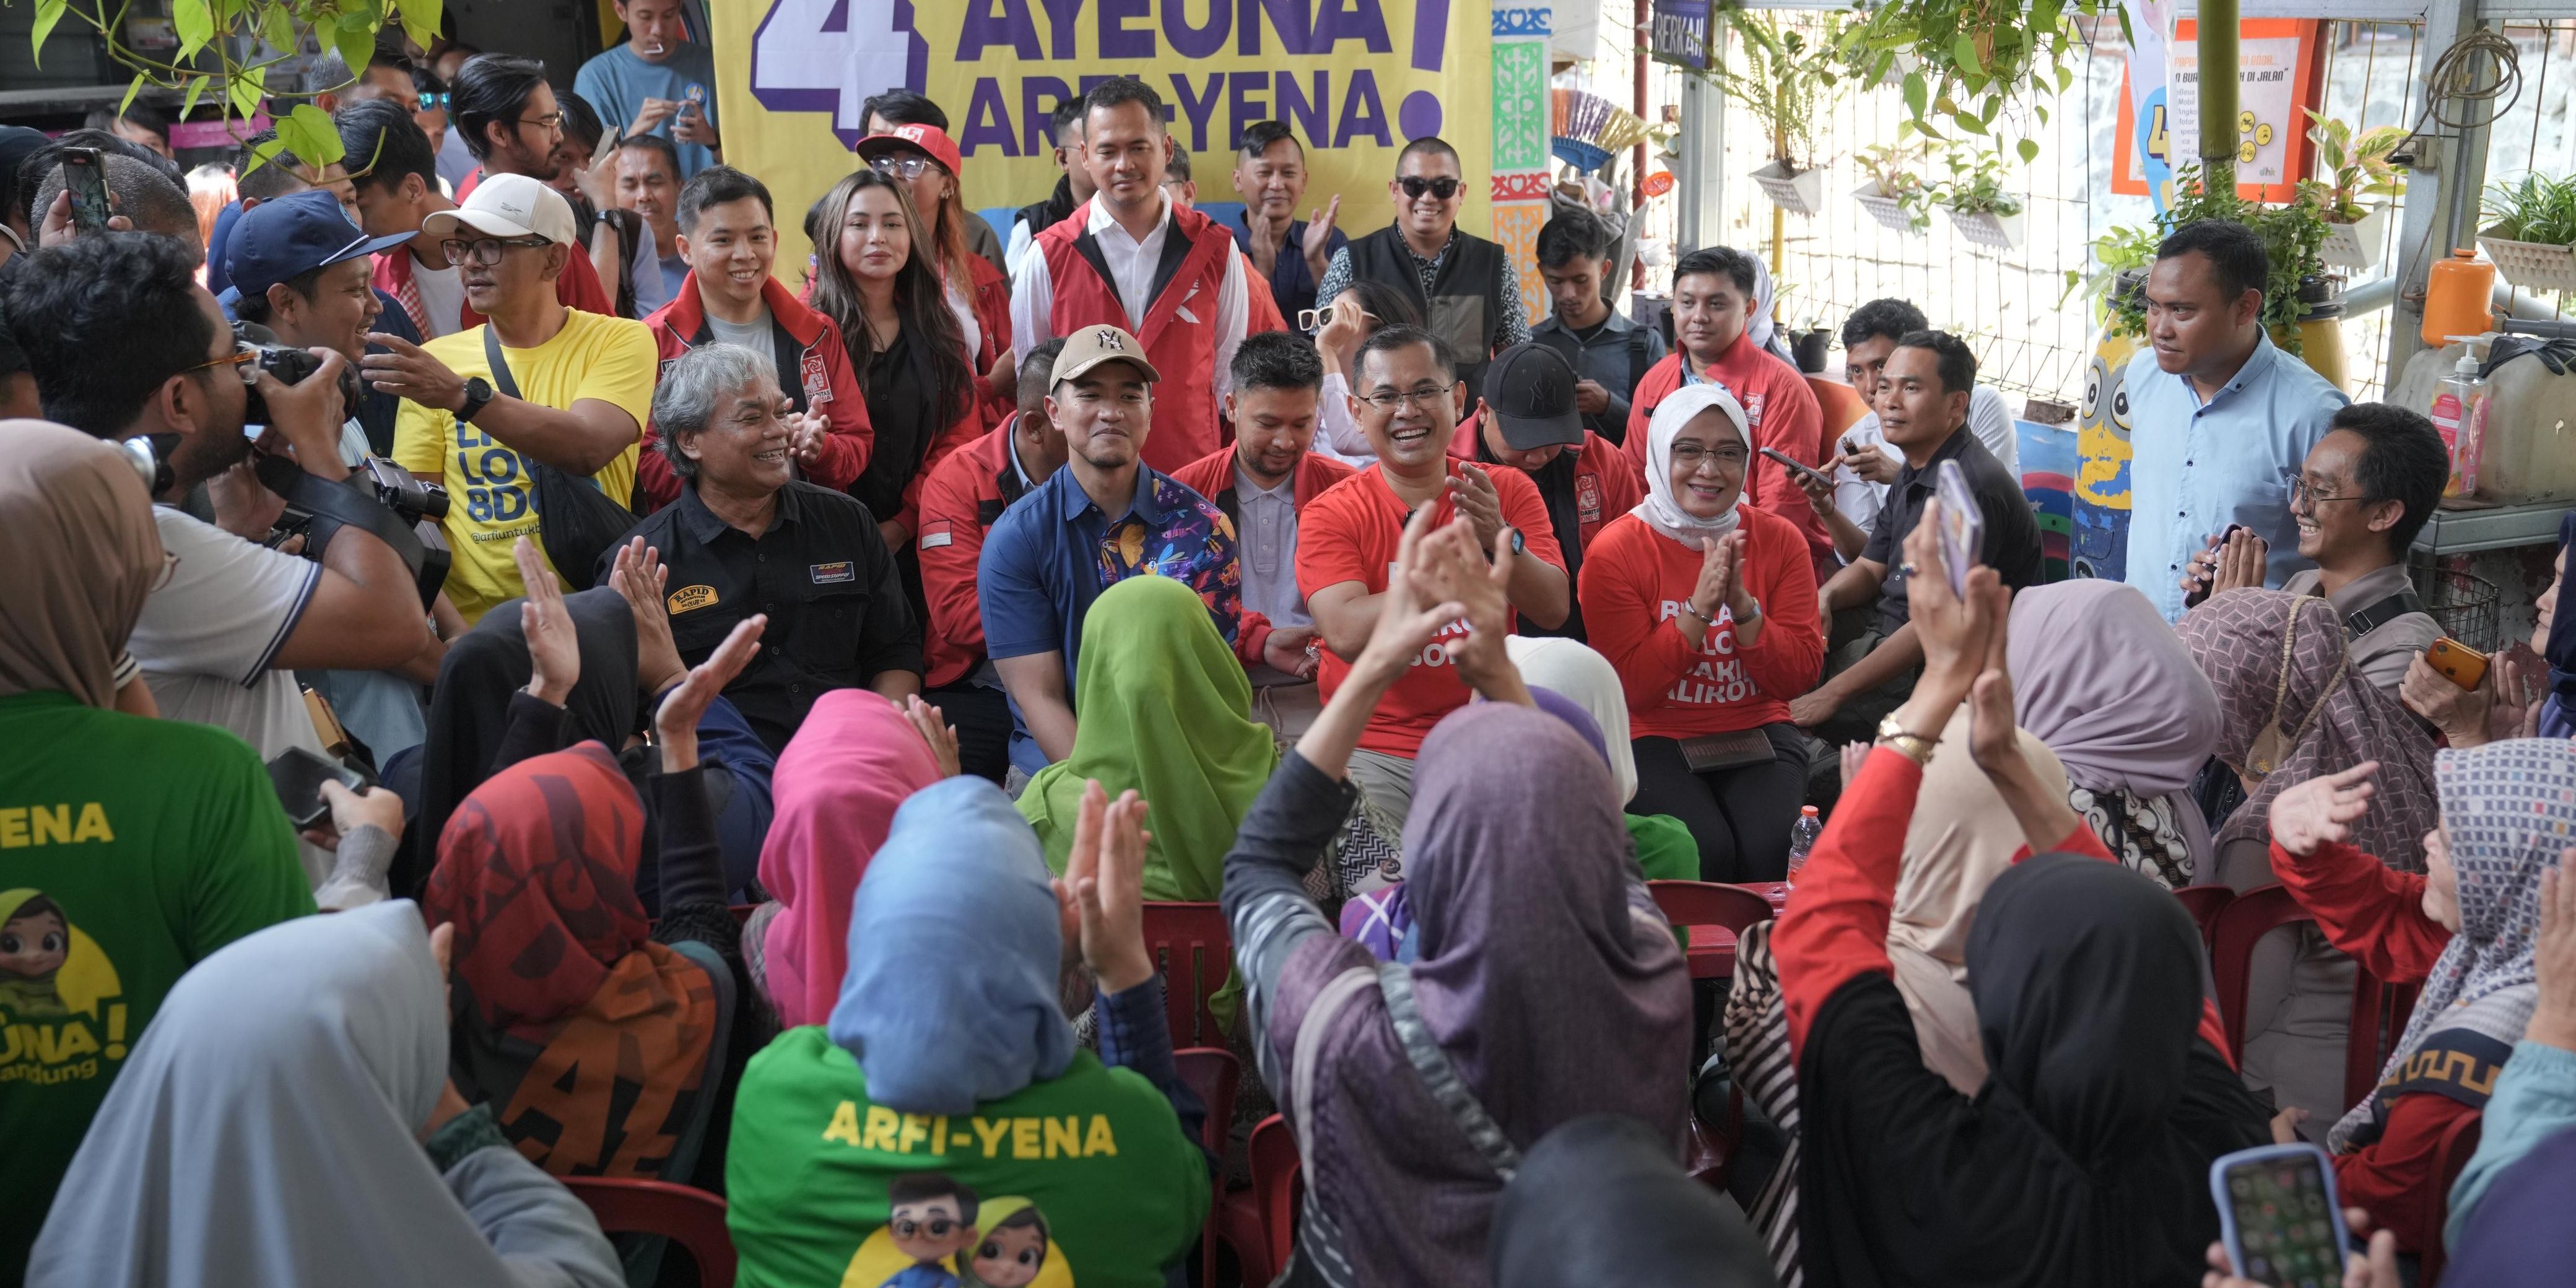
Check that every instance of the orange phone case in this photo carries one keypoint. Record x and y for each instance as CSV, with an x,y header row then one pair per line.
x,y
2460,664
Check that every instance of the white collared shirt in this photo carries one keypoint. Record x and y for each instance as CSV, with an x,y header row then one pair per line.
x,y
1267,527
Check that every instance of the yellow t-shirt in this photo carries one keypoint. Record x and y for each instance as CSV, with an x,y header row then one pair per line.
x,y
489,488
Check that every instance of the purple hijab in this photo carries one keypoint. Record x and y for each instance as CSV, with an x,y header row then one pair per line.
x,y
2558,707
1545,975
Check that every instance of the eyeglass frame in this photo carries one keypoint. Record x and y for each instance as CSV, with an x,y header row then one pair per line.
x,y
1430,187
2299,489
505,243
240,360
1705,454
891,165
1393,400
550,121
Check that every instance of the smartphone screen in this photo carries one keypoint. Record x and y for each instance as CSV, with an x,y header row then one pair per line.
x,y
2281,1218
1963,525
86,176
298,776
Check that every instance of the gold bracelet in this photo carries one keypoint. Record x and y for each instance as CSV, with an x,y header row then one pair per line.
x,y
1911,745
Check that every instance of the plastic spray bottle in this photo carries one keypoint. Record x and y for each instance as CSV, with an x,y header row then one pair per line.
x,y
2460,413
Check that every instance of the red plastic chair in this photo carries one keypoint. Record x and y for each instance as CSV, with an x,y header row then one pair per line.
x,y
1279,1186
2379,1015
1192,950
2204,903
2459,1141
1213,1075
1697,904
2233,934
692,1218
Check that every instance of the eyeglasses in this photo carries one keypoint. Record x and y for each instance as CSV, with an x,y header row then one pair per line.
x,y
549,121
1427,396
2300,496
484,252
1442,188
900,167
240,360
1689,455
937,1227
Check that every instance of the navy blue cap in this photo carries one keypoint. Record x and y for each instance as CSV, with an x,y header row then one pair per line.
x,y
286,237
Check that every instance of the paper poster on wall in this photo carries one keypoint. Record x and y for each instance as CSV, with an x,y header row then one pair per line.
x,y
2277,76
1355,79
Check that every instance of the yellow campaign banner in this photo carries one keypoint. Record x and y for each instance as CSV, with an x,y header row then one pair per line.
x,y
1355,79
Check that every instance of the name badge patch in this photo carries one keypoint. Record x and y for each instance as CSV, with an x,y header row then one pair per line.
x,y
818,382
1587,498
687,598
837,570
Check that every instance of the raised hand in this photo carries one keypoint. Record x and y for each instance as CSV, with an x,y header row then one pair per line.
x,y
1105,873
1318,247
2310,814
1994,733
639,578
1409,614
935,731
806,431
2553,1020
554,650
1953,627
1474,495
675,725
409,372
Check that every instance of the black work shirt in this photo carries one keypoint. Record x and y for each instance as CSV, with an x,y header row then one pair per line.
x,y
2012,532
837,616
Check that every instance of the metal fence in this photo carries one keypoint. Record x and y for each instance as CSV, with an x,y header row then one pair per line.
x,y
2012,305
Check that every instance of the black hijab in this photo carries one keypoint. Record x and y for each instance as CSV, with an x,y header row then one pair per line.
x,y
1601,1201
470,708
2085,1157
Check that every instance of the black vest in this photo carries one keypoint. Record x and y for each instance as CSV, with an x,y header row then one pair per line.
x,y
1465,306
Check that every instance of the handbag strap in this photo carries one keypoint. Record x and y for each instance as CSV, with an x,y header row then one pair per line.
x,y
501,378
1440,1074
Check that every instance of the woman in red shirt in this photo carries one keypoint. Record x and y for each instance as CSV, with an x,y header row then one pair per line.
x,y
1707,607
2466,928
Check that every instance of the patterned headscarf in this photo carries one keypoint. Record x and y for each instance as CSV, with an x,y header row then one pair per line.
x,y
2289,699
2508,809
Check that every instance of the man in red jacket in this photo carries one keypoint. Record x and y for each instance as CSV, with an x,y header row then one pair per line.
x,y
964,493
1114,263
1529,420
1712,305
726,232
1263,483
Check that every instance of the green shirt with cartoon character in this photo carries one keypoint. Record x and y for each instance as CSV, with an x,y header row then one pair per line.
x,y
130,849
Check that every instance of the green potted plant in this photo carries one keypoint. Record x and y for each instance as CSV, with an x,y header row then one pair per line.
x,y
1979,206
1896,194
2360,168
1783,83
2118,281
2530,231
1965,62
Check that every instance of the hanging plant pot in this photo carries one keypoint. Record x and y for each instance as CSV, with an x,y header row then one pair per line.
x,y
1801,193
1985,228
1890,212
2533,266
2355,245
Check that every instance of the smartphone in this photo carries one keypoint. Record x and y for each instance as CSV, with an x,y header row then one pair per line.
x,y
298,776
2192,599
2280,1215
1963,525
2458,663
86,176
1798,467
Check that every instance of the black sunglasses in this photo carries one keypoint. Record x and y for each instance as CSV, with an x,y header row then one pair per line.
x,y
1442,188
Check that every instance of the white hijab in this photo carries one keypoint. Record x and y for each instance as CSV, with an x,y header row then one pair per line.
x,y
1585,678
1760,326
263,1131
1661,510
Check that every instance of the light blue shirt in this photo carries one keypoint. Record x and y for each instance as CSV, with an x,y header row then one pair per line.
x,y
2199,467
2534,1098
617,82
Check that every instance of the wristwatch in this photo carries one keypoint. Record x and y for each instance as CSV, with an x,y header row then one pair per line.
x,y
1520,546
478,393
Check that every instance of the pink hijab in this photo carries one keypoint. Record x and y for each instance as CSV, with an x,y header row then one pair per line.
x,y
850,764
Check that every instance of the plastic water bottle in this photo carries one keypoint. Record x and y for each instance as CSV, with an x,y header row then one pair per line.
x,y
1802,838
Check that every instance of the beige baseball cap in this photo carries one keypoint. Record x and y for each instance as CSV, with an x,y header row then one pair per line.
x,y
1090,346
507,205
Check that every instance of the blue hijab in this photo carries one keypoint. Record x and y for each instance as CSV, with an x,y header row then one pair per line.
x,y
2558,710
951,996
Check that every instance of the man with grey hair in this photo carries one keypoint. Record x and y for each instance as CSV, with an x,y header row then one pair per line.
x,y
746,537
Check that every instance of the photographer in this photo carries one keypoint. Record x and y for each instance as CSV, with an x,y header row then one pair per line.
x,y
299,268
126,345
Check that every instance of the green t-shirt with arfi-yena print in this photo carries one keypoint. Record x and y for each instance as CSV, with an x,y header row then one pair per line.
x,y
130,849
1085,1179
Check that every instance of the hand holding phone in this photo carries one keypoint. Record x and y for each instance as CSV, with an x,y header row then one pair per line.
x,y
85,176
1963,525
2457,662
1798,467
298,775
2280,1217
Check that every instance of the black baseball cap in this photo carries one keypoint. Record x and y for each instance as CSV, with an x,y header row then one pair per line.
x,y
1530,390
286,237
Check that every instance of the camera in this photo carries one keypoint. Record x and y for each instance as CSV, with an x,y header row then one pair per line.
x,y
379,496
291,366
398,491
